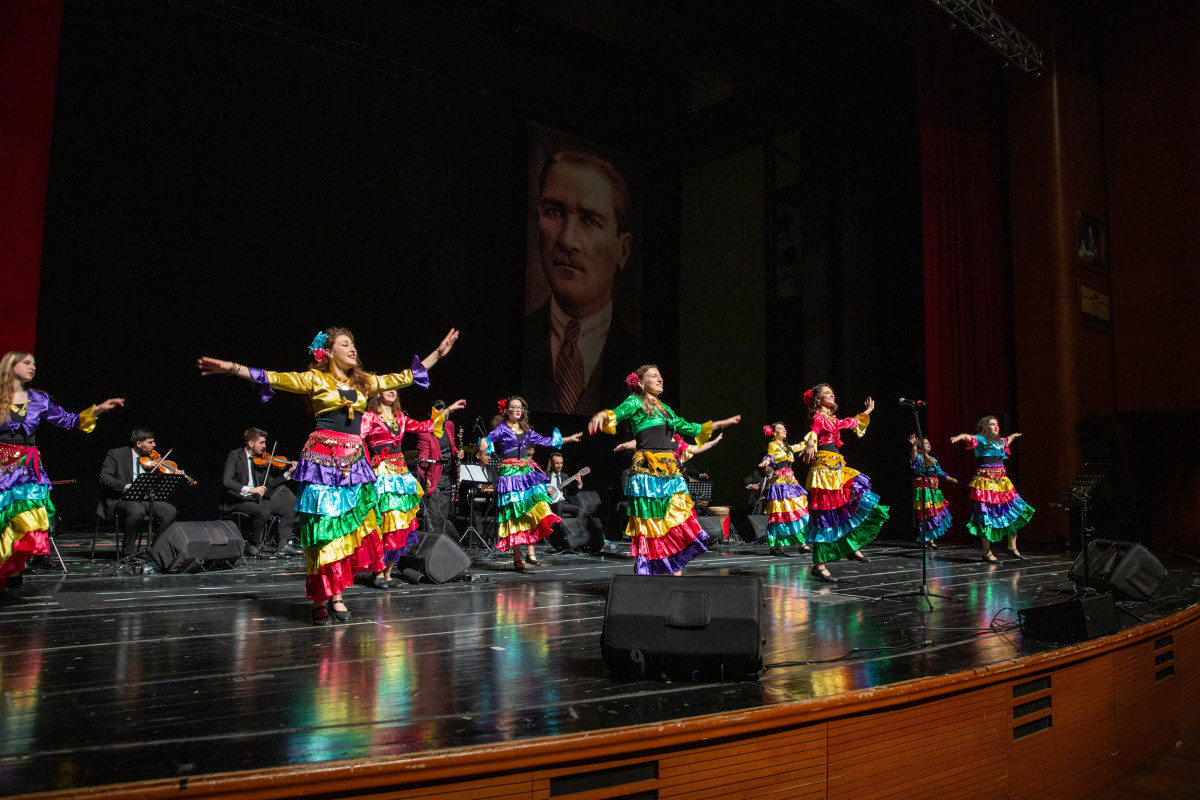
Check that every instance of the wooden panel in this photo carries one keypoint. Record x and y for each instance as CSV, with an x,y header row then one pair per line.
x,y
1146,710
1073,758
1187,668
953,747
789,763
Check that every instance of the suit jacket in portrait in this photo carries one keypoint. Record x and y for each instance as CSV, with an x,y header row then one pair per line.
x,y
621,355
236,475
116,472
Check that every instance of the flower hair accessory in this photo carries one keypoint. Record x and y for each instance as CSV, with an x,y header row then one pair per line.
x,y
768,430
502,404
808,398
317,348
633,382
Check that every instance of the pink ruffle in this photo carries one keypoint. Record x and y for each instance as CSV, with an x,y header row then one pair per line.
x,y
674,541
333,579
33,543
789,516
993,498
544,528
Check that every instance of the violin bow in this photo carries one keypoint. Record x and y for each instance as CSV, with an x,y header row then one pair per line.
x,y
267,471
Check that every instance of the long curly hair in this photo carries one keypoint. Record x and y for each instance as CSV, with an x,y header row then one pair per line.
x,y
981,428
523,424
814,405
7,374
358,377
650,404
375,402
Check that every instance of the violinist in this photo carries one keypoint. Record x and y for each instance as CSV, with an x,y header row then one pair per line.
x,y
121,468
246,492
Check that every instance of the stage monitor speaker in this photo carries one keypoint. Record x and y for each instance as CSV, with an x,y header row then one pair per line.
x,y
1072,620
1126,569
691,628
437,556
579,533
588,500
713,527
197,546
753,528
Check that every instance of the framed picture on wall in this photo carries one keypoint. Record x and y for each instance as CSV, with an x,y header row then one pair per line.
x,y
1091,241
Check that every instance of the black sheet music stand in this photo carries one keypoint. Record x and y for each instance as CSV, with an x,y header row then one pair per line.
x,y
701,493
1089,477
149,487
471,477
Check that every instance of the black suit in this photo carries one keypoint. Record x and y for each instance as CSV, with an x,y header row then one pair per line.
x,y
621,355
115,475
566,505
237,474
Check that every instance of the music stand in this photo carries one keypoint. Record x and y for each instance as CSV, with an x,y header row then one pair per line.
x,y
1089,477
150,487
471,477
918,507
701,493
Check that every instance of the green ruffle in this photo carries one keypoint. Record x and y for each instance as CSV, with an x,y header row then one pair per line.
x,y
397,502
928,497
856,539
649,507
996,534
13,510
520,508
318,531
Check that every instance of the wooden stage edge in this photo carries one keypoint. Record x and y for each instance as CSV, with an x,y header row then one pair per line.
x,y
1069,722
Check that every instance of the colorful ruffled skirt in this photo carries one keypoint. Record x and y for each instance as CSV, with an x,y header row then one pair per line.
x,y
787,509
339,529
662,522
998,510
930,509
25,508
844,515
525,516
396,510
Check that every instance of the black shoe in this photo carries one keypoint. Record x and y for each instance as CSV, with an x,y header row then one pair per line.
x,y
1016,555
14,581
532,561
932,545
822,576
860,557
804,549
991,558
779,551
520,566
288,549
320,616
341,616
380,582
251,550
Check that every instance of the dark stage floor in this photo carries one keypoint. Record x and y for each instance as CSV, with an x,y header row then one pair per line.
x,y
120,678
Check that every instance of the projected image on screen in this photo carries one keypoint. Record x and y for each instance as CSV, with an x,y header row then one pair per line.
x,y
582,282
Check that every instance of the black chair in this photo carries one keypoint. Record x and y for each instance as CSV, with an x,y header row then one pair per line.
x,y
118,537
242,520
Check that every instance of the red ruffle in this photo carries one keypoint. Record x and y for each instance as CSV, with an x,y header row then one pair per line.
x,y
825,499
334,578
544,528
396,539
33,543
993,498
674,541
788,516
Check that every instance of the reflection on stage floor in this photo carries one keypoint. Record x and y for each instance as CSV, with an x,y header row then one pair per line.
x,y
111,678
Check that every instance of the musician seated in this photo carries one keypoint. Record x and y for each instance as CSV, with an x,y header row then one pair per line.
x,y
562,488
483,501
121,468
756,484
246,492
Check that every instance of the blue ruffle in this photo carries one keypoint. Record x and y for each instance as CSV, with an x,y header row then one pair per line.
x,y
556,439
508,498
24,492
396,484
654,486
326,501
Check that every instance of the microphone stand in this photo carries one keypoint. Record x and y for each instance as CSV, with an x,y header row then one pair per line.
x,y
920,505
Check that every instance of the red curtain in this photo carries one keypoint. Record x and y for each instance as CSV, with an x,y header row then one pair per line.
x,y
29,35
969,349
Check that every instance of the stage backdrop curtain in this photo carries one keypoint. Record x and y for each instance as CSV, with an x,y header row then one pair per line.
x,y
29,37
969,349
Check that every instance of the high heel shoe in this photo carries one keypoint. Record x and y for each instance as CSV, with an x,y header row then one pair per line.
x,y
320,616
822,575
341,616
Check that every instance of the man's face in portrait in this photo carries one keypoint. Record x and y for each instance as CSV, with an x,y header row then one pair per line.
x,y
581,249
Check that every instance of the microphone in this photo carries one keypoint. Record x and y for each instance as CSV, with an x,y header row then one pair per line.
x,y
904,401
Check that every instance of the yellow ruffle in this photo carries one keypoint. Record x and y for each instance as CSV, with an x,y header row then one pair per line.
x,y
610,422
527,521
87,419
787,505
439,421
863,421
988,485
705,434
397,520
315,558
829,472
34,519
677,514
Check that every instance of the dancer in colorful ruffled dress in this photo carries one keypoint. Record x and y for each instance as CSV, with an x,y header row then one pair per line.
x,y
929,505
662,522
383,427
338,526
525,517
787,502
844,515
25,505
999,512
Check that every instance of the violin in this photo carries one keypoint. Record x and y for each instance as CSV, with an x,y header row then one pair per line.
x,y
156,463
271,461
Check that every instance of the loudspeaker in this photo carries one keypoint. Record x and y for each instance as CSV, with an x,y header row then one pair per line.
x,y
437,556
579,533
753,528
589,501
197,546
1124,568
699,628
1072,620
712,526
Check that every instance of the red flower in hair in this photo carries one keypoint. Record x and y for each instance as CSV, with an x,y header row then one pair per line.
x,y
808,398
768,430
502,404
318,355
633,382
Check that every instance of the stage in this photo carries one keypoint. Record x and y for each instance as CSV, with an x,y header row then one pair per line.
x,y
114,679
